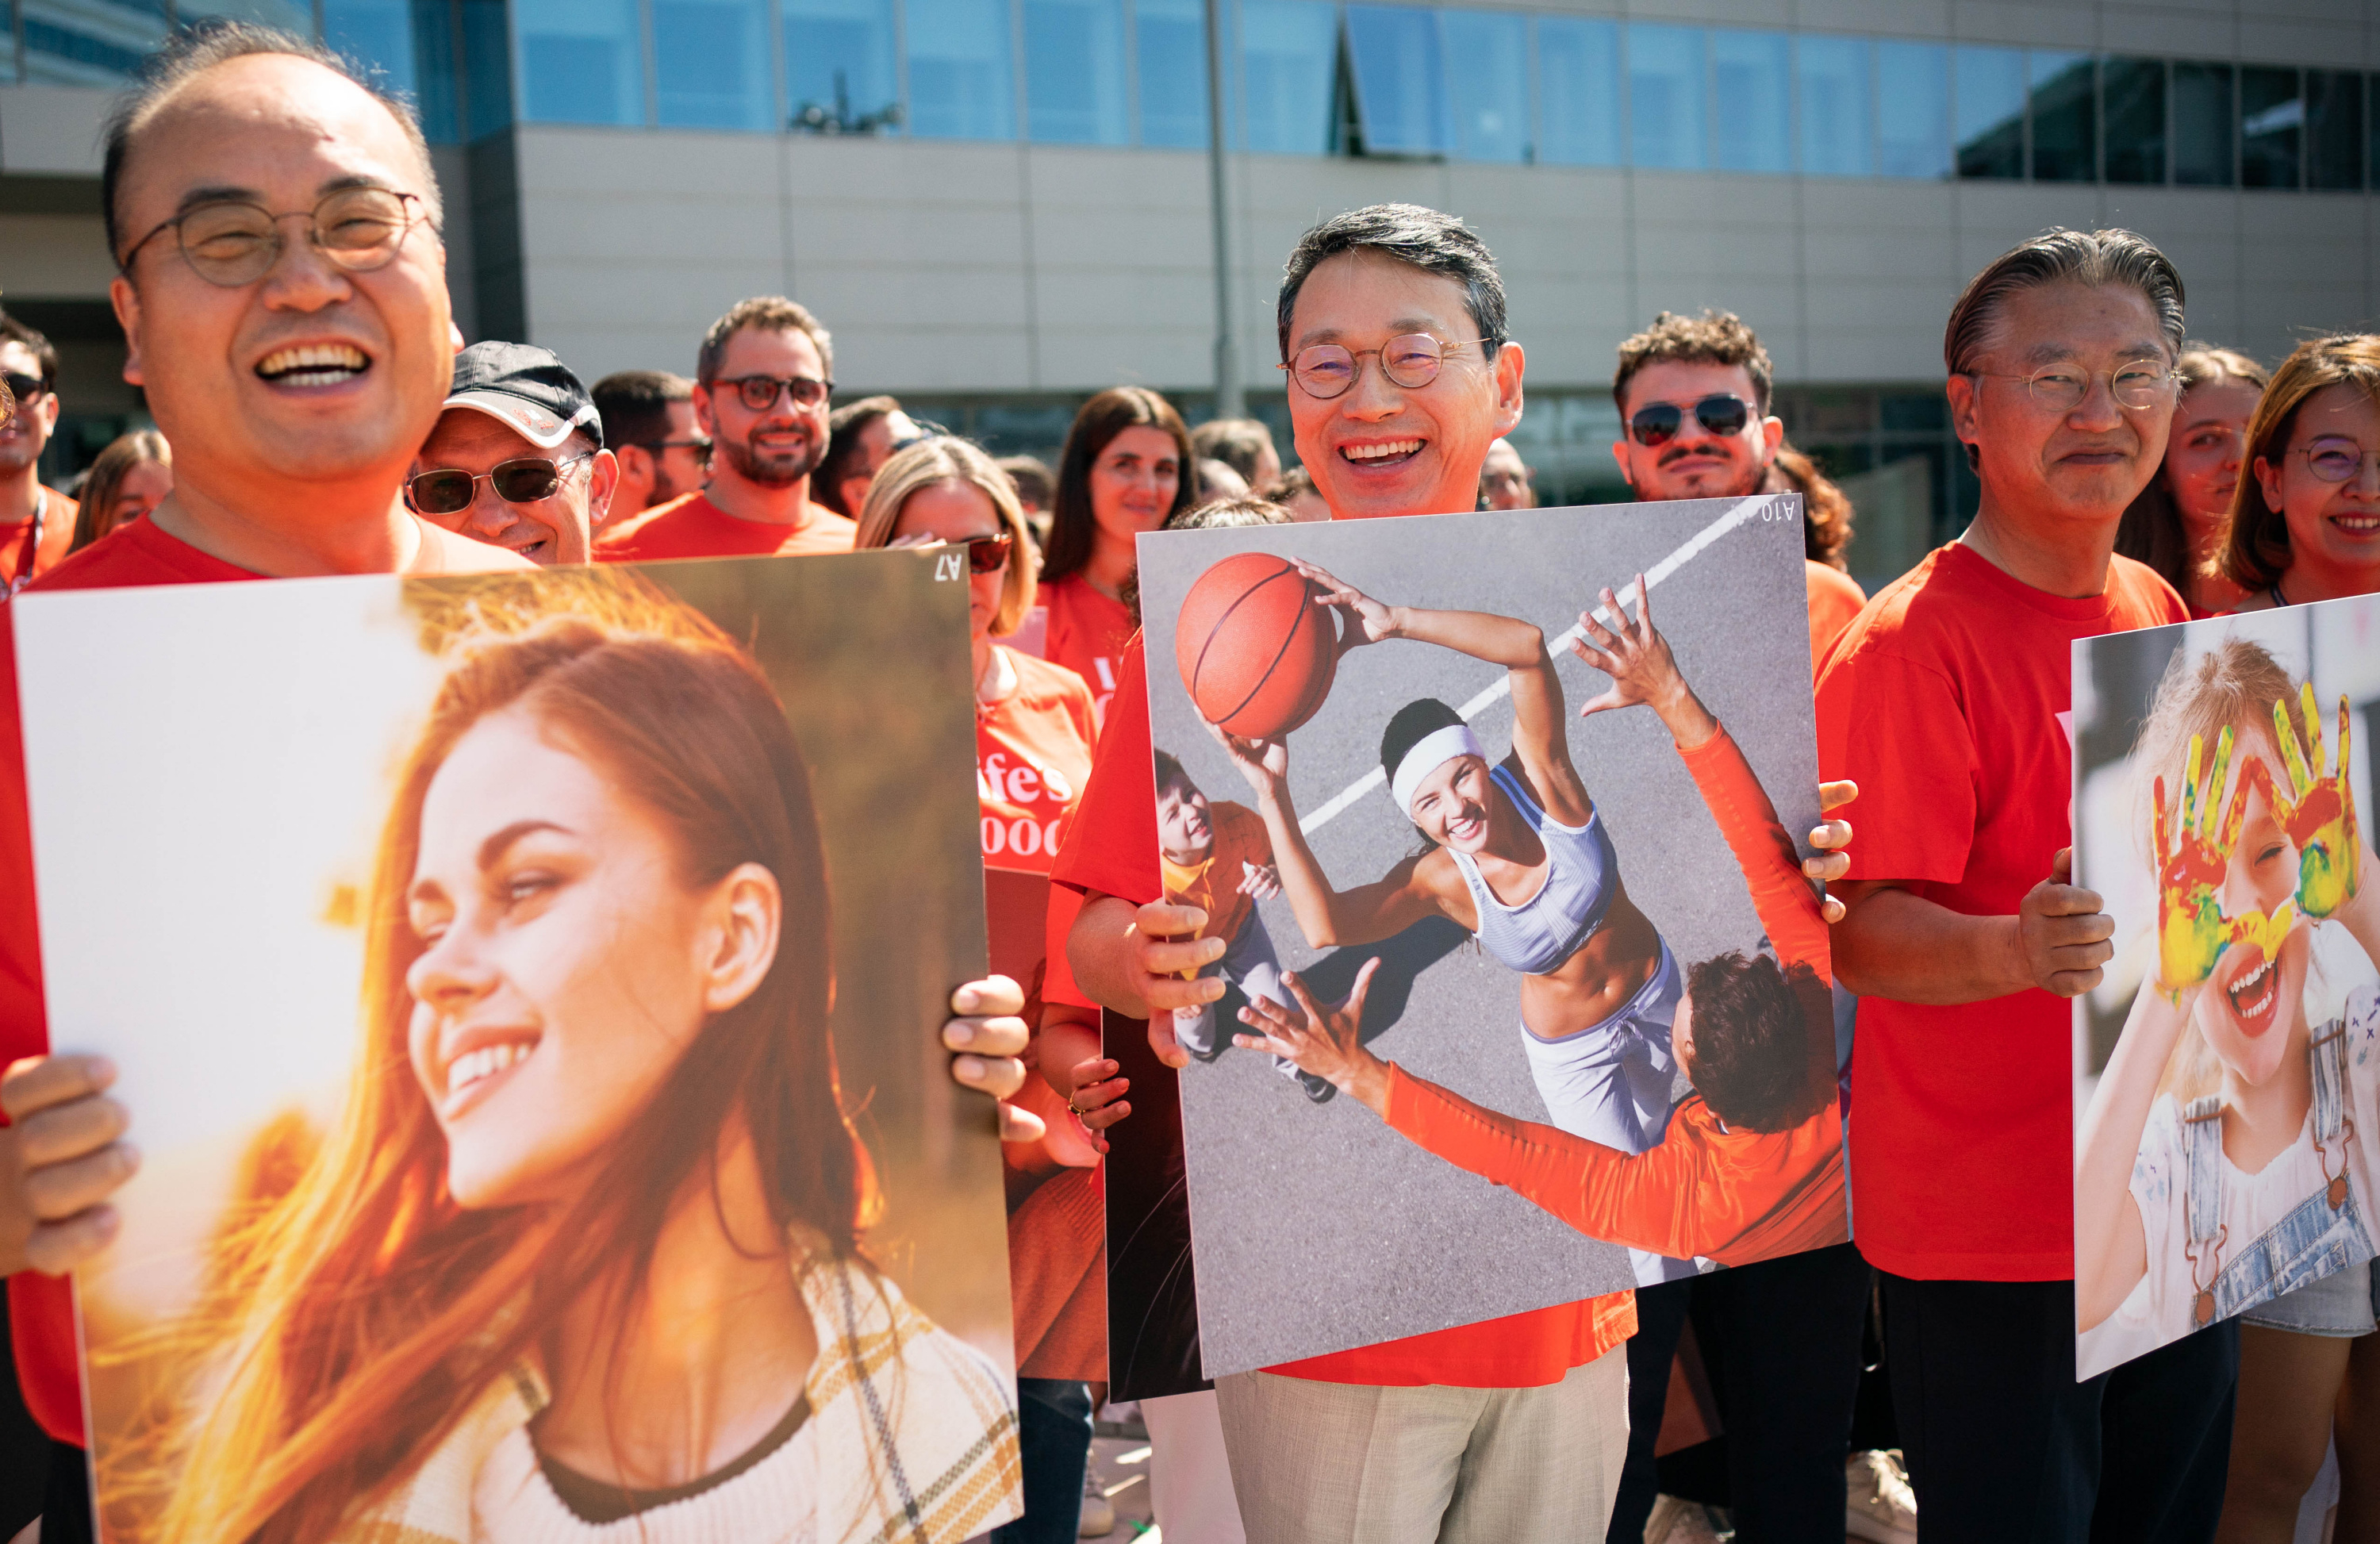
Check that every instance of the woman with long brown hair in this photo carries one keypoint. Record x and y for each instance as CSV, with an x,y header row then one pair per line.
x,y
2179,523
582,1258
130,478
1127,466
2305,524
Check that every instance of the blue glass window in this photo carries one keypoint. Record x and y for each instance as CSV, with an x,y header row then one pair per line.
x,y
2133,91
1752,85
962,82
487,67
1836,122
2272,124
1913,109
1170,45
1578,91
1664,96
2065,116
2334,128
841,64
1400,81
1488,83
377,34
579,61
88,42
1988,121
1073,72
2204,117
289,16
711,64
1288,62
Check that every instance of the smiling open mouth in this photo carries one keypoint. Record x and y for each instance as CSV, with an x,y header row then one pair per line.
x,y
1388,453
477,1066
2358,525
320,364
2253,997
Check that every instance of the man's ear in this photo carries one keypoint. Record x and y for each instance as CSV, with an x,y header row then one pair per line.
x,y
1964,406
703,418
1511,362
601,483
1620,453
126,300
1772,435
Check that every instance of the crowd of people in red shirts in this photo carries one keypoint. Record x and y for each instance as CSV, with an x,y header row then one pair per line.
x,y
275,224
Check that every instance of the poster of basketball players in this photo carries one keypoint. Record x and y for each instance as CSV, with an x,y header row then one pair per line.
x,y
529,990
2229,1060
1525,998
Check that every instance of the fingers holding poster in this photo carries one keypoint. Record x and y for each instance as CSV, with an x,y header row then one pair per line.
x,y
2230,1060
1638,1054
642,1184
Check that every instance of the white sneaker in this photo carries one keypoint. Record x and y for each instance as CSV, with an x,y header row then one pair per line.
x,y
1098,1512
1881,1506
1677,1521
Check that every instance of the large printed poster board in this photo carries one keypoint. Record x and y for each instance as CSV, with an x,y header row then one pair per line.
x,y
1373,769
2228,1066
526,989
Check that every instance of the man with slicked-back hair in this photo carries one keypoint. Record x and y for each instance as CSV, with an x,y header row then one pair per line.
x,y
1946,699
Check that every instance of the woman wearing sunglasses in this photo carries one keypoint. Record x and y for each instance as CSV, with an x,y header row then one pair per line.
x,y
2305,522
1034,734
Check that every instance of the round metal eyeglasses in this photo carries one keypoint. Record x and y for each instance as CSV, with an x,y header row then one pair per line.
x,y
1327,370
231,242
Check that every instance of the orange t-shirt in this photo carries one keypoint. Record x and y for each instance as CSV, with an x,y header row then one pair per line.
x,y
1734,1196
691,526
1835,599
1236,838
1032,759
1087,634
47,549
1111,850
1947,700
40,1309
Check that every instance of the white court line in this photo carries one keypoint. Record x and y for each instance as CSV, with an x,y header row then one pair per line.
x,y
1691,547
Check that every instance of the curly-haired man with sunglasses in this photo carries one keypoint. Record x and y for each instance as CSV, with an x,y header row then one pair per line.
x,y
36,523
761,389
517,459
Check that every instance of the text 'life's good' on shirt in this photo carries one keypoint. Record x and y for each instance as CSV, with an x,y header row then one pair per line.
x,y
1111,850
691,526
1945,702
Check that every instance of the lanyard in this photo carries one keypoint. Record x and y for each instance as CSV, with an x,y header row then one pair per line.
x,y
32,544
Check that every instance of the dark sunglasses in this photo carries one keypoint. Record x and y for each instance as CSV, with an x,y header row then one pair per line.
x,y
24,388
1657,423
987,554
526,480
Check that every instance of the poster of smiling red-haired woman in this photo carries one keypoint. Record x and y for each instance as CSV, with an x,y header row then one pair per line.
x,y
528,988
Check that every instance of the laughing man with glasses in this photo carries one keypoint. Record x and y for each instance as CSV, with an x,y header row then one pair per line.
x,y
517,458
760,393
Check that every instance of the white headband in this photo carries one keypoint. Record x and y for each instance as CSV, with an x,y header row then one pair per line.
x,y
1432,751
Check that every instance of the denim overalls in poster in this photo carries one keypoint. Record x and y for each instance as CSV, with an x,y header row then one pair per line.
x,y
2323,1234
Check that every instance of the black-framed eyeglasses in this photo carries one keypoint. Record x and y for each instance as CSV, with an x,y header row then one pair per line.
x,y
760,393
24,387
1657,423
2137,384
2334,460
987,554
1327,370
524,481
231,242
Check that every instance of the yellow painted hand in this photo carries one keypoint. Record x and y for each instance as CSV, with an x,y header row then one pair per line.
x,y
2192,855
2320,814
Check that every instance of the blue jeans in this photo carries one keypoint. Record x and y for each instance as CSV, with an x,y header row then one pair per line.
x,y
1054,1434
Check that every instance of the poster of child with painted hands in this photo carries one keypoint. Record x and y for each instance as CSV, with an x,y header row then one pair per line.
x,y
2193,855
2319,813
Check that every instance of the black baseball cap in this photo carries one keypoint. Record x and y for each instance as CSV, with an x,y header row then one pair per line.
x,y
528,390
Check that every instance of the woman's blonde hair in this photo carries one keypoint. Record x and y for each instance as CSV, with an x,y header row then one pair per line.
x,y
2151,531
947,459
2257,554
105,479
352,1317
2232,685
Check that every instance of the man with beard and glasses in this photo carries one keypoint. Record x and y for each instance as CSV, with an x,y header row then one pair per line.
x,y
1694,395
760,386
37,524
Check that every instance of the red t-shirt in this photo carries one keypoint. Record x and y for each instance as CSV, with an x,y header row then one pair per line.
x,y
1946,700
1086,635
47,549
40,1309
1111,850
691,526
1835,599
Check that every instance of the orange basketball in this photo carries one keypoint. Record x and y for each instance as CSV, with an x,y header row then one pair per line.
x,y
1255,650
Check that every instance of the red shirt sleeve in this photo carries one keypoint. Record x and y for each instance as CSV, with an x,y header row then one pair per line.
x,y
1897,729
1787,908
1110,847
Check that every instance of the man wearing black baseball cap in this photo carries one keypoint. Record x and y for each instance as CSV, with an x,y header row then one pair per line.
x,y
517,459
